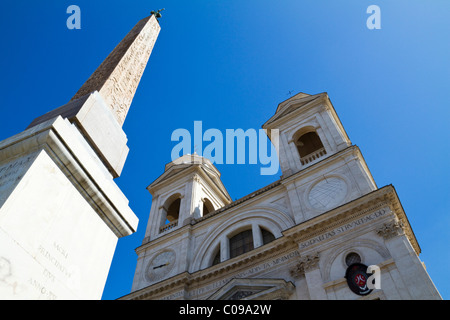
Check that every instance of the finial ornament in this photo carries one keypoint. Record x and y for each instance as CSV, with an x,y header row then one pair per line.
x,y
157,13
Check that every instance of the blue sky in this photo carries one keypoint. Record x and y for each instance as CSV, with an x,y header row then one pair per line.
x,y
229,64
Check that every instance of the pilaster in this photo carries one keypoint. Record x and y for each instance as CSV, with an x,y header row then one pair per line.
x,y
418,283
308,266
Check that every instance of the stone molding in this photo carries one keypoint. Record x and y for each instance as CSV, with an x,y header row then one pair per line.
x,y
390,230
384,197
306,263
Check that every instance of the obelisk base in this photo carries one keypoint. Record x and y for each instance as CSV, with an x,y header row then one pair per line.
x,y
61,215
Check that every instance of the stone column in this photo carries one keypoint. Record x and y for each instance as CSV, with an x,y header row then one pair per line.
x,y
416,279
294,156
224,248
309,267
257,236
294,202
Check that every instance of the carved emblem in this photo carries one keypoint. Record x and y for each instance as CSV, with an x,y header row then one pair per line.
x,y
357,279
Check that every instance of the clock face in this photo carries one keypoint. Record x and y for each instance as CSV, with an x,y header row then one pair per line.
x,y
160,265
327,193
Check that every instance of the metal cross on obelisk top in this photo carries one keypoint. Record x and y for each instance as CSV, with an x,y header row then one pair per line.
x,y
157,14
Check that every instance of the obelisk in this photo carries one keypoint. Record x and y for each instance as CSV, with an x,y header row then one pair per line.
x,y
111,87
61,213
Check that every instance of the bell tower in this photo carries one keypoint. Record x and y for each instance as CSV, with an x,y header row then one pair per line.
x,y
189,188
310,131
321,168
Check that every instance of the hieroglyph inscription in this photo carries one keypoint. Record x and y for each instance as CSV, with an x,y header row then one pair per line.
x,y
118,77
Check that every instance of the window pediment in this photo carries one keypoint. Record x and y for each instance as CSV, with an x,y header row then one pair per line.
x,y
254,289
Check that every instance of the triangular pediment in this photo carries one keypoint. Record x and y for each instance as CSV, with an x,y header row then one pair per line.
x,y
288,106
254,289
300,95
168,174
180,167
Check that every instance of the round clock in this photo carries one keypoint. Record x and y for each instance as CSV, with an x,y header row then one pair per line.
x,y
160,265
327,193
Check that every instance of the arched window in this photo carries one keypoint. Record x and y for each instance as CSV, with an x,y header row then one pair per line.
x,y
309,147
241,243
267,236
173,211
207,206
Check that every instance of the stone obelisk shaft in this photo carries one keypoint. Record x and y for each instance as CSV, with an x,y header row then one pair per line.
x,y
100,106
118,77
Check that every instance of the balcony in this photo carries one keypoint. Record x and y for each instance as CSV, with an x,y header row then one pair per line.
x,y
168,226
313,156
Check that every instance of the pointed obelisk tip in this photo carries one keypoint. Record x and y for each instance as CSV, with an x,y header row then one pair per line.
x,y
157,13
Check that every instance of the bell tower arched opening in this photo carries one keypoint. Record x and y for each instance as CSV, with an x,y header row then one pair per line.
x,y
309,147
208,207
173,211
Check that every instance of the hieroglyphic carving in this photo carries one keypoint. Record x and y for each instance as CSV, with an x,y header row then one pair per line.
x,y
118,77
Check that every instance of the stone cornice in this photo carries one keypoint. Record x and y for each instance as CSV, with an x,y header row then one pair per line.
x,y
397,207
238,202
384,197
352,150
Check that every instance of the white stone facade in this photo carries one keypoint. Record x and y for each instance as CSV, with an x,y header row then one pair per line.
x,y
61,215
304,227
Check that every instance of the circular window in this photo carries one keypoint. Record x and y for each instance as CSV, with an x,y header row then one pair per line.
x,y
352,258
327,193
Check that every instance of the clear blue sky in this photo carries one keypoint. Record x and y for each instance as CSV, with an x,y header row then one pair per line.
x,y
228,64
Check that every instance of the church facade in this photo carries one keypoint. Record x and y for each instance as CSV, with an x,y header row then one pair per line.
x,y
324,230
